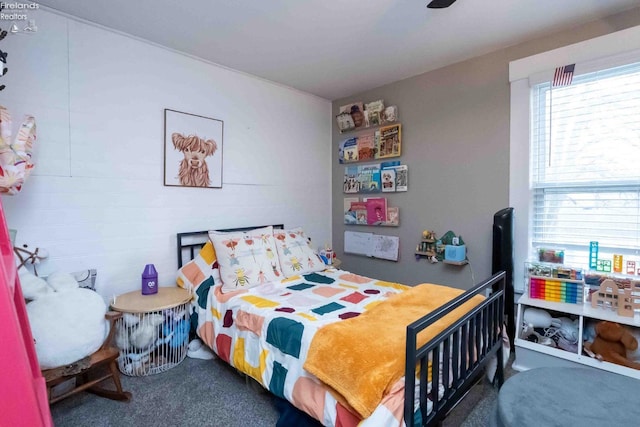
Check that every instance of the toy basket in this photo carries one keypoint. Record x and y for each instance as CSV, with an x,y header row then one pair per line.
x,y
152,342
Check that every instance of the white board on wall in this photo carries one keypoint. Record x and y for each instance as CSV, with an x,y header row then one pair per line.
x,y
372,245
358,243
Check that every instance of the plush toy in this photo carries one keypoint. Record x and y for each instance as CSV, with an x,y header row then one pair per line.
x,y
33,287
142,336
611,344
140,333
634,355
67,322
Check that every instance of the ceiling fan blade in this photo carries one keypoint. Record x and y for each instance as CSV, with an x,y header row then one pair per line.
x,y
440,4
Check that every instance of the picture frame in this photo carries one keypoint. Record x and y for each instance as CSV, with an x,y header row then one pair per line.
x,y
193,147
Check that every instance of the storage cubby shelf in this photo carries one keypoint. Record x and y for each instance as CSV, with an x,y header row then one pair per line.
x,y
531,355
584,310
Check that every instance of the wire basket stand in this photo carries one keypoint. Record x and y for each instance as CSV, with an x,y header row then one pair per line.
x,y
151,341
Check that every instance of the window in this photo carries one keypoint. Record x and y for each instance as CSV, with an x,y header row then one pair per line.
x,y
584,163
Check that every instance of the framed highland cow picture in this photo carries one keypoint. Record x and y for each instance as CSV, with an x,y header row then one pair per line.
x,y
192,150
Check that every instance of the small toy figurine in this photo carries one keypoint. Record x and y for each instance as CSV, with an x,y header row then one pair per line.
x,y
428,235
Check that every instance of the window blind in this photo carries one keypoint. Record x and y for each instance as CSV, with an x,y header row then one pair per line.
x,y
585,164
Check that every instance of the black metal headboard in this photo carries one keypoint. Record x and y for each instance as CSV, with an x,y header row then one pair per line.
x,y
193,241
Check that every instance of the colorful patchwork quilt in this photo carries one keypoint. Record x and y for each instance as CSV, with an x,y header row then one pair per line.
x,y
266,332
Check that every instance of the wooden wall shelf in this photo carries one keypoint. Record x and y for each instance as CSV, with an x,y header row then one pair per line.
x,y
463,262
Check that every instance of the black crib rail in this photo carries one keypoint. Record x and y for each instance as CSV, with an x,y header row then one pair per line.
x,y
464,348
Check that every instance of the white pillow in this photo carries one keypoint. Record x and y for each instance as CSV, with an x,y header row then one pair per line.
x,y
295,253
246,258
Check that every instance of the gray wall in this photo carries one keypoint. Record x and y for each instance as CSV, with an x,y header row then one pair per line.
x,y
455,132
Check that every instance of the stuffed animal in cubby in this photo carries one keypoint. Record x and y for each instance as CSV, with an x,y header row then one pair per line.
x,y
67,322
611,343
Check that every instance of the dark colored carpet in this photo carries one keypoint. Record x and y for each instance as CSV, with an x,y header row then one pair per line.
x,y
210,393
194,393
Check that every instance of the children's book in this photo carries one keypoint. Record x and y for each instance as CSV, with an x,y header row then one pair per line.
x,y
366,147
376,210
356,110
349,215
393,216
388,180
374,113
390,114
402,177
351,183
369,178
348,151
390,143
389,164
360,210
345,122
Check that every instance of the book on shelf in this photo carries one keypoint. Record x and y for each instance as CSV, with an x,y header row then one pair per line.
x,y
345,122
369,178
402,177
393,216
388,180
376,210
360,212
374,113
351,183
349,215
356,110
348,150
359,115
389,164
373,179
390,141
366,147
390,114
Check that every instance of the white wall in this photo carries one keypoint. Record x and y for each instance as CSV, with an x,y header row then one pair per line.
x,y
96,197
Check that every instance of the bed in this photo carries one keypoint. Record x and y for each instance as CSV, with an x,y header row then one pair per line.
x,y
305,337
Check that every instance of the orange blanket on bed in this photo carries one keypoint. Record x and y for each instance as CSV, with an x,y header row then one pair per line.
x,y
361,358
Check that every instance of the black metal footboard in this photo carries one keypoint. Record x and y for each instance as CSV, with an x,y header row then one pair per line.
x,y
457,354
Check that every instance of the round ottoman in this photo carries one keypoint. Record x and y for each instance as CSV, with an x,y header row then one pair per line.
x,y
567,397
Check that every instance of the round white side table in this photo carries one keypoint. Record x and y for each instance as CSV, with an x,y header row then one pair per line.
x,y
153,333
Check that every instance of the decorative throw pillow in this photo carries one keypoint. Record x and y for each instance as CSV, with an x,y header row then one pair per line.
x,y
295,253
246,258
199,269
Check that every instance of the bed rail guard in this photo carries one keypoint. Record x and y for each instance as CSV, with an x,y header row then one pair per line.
x,y
461,350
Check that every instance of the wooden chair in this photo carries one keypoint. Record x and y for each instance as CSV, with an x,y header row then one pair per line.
x,y
91,371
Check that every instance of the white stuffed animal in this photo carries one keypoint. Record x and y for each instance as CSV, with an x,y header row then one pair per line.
x,y
67,322
33,287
